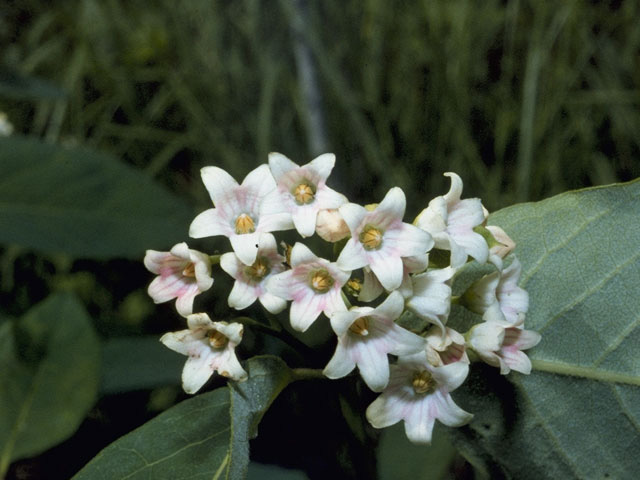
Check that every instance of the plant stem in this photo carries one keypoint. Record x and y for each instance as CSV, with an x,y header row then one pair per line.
x,y
307,374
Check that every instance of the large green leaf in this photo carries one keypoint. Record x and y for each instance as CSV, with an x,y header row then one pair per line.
x,y
578,414
203,437
49,361
84,203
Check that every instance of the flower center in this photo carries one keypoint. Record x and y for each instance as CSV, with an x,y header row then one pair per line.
x,y
244,224
371,238
189,270
321,281
360,326
259,269
217,339
423,382
304,193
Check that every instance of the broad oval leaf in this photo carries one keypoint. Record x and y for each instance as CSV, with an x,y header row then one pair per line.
x,y
83,203
50,361
578,414
204,437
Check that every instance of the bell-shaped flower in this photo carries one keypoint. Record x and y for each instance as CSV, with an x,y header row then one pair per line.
x,y
304,190
447,348
498,296
365,337
501,346
372,288
210,347
242,212
251,280
419,393
380,239
431,299
314,284
451,221
182,274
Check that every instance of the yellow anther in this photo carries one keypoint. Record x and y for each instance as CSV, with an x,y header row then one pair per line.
x,y
244,224
189,270
423,382
217,339
360,326
353,287
259,269
321,281
304,193
371,238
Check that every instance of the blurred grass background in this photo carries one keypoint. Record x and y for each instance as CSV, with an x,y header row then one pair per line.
x,y
524,99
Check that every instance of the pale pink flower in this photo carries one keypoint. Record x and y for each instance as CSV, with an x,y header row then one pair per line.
x,y
419,393
365,337
447,348
210,347
498,296
314,284
182,274
431,299
451,221
304,190
501,346
251,280
242,212
380,239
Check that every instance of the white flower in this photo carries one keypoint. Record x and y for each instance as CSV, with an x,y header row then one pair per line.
x,y
304,189
251,280
210,347
431,298
372,288
242,212
314,284
498,295
501,346
366,336
380,239
6,127
182,274
443,350
450,221
418,393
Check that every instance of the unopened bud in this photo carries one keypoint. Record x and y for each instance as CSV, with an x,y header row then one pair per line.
x,y
330,226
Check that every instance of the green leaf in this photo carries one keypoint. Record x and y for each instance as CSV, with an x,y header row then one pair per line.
x,y
16,85
578,414
49,361
83,203
203,437
138,363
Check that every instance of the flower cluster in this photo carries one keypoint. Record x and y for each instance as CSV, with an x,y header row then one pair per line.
x,y
384,270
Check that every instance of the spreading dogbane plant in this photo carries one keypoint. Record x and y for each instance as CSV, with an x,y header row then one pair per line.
x,y
382,284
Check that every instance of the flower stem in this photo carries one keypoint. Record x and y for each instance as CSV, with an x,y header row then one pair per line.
x,y
307,374
278,332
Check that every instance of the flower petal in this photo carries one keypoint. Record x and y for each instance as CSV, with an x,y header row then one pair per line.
x,y
242,295
280,165
448,412
373,365
353,215
341,364
272,303
217,182
418,424
389,270
352,256
196,372
305,311
323,165
246,247
260,180
208,224
304,220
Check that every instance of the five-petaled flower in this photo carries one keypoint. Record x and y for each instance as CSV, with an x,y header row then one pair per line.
x,y
242,212
210,347
314,284
365,337
419,393
501,345
451,221
182,273
304,190
251,280
380,239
